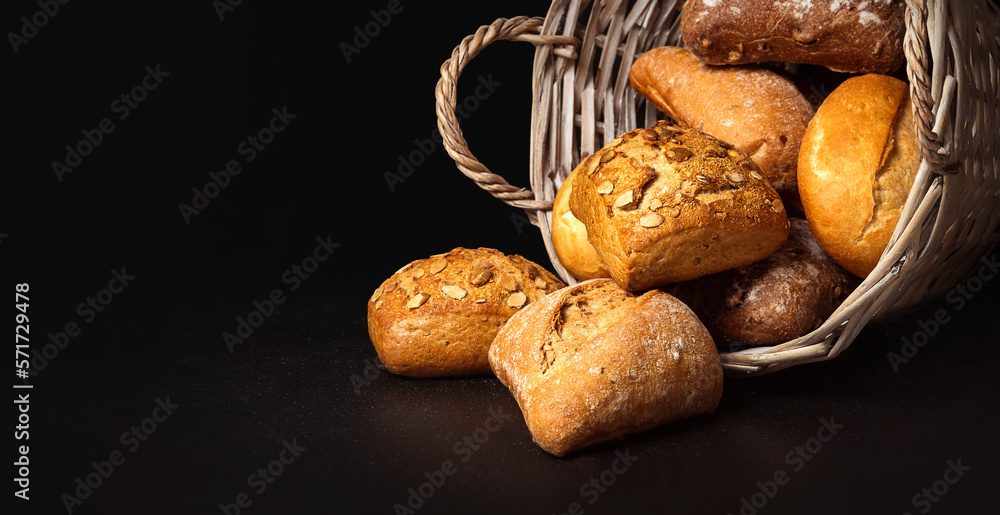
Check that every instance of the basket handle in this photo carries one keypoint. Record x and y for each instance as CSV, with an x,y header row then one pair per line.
x,y
520,28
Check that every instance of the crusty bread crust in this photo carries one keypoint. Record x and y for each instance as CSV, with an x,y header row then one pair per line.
x,y
855,36
858,161
593,362
753,108
437,316
569,237
669,204
771,301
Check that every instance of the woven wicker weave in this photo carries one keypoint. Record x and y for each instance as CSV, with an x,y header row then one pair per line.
x,y
582,100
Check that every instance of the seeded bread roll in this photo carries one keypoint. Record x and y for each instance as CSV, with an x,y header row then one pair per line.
x,y
569,236
771,301
437,316
669,204
855,36
858,161
754,109
593,362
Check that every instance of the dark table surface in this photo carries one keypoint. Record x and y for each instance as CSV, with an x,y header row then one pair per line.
x,y
299,416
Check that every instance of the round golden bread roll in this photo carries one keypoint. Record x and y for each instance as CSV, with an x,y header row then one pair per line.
x,y
569,236
857,163
667,204
437,317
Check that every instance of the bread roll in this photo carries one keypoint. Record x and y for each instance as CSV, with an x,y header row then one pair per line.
x,y
855,36
754,109
771,301
569,236
858,161
593,362
437,316
668,204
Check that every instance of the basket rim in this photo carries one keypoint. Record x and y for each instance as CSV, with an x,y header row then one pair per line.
x,y
934,79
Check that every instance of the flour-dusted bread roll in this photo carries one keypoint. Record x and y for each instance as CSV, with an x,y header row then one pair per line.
x,y
771,301
437,316
593,362
855,36
858,160
753,108
569,236
668,204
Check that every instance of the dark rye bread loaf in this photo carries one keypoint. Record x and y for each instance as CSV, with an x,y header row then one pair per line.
x,y
437,316
772,301
669,204
592,362
855,36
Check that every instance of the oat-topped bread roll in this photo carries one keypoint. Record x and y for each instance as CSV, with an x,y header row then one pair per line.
x,y
593,362
855,36
668,204
569,236
771,301
437,316
753,108
858,161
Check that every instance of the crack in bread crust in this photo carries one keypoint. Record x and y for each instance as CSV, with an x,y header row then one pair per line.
x,y
579,319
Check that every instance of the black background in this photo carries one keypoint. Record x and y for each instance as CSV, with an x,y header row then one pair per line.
x,y
301,376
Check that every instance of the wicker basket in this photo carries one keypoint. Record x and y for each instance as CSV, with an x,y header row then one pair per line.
x,y
582,100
